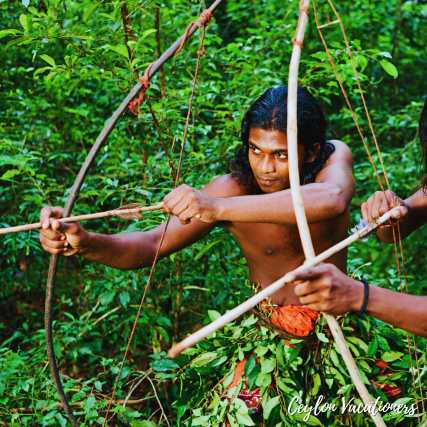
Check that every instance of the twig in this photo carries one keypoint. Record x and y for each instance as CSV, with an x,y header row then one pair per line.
x,y
134,388
158,400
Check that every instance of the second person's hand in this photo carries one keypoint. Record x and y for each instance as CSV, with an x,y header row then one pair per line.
x,y
327,289
379,204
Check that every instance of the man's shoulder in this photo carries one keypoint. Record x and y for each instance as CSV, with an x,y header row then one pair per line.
x,y
225,186
342,150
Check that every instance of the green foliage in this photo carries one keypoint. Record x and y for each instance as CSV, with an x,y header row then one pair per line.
x,y
66,66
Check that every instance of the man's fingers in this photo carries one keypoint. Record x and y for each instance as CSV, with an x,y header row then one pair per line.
x,y
306,288
53,244
307,273
53,251
65,228
365,211
399,212
309,299
175,196
47,213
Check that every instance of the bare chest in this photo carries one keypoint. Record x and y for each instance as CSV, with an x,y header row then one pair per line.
x,y
272,240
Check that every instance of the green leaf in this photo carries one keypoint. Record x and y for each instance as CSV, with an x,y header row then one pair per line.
x,y
263,380
386,54
98,385
391,356
362,62
164,365
245,419
213,315
208,247
322,337
268,365
107,298
253,376
383,343
124,298
26,22
10,32
144,35
163,321
389,68
249,365
316,384
120,49
11,173
145,423
228,379
342,390
90,12
311,421
48,59
268,407
180,413
373,347
250,321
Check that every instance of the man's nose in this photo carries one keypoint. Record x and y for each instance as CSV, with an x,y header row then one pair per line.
x,y
267,165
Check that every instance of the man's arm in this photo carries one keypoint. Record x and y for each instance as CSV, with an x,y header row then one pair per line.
x,y
411,213
327,198
128,251
329,290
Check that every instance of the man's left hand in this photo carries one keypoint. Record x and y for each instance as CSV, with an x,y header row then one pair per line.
x,y
186,202
327,289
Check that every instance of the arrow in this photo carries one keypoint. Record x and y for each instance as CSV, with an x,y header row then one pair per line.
x,y
131,211
233,314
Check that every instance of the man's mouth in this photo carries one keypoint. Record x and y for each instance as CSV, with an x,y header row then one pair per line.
x,y
264,181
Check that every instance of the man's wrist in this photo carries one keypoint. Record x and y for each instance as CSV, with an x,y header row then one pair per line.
x,y
358,289
86,244
219,208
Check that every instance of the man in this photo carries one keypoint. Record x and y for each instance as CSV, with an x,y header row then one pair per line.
x,y
254,202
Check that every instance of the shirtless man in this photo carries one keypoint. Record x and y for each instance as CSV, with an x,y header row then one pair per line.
x,y
254,202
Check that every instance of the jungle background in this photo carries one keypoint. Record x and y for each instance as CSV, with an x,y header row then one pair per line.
x,y
65,68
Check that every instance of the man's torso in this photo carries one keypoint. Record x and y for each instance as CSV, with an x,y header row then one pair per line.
x,y
272,250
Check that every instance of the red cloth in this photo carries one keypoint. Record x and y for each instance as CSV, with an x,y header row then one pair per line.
x,y
298,320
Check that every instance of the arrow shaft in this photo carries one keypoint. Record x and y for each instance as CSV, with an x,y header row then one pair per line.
x,y
38,225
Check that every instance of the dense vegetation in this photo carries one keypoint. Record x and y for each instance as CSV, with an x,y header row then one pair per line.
x,y
66,67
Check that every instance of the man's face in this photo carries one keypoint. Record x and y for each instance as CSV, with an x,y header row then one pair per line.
x,y
268,157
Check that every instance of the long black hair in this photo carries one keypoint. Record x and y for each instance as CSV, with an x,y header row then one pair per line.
x,y
422,131
270,112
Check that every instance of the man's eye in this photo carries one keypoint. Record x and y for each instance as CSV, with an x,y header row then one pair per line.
x,y
256,150
282,156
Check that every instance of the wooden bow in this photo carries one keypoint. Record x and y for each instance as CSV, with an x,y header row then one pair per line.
x,y
292,133
53,266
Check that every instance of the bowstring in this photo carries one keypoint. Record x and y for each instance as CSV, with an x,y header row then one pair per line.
x,y
379,180
200,53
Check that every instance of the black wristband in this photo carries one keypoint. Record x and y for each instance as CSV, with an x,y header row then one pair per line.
x,y
365,299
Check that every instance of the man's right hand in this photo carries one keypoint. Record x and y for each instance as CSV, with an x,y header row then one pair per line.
x,y
379,204
57,237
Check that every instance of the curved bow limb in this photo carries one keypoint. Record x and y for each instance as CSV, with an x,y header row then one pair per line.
x,y
292,134
53,266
